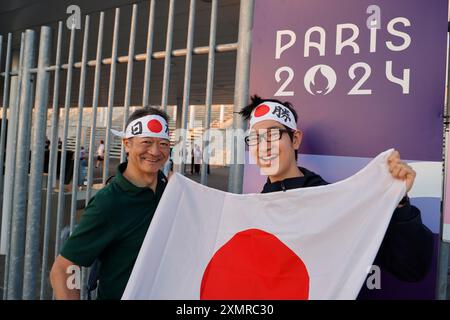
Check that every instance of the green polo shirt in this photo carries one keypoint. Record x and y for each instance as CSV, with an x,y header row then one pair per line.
x,y
112,229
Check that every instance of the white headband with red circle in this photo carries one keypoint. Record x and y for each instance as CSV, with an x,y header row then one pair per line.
x,y
148,126
273,111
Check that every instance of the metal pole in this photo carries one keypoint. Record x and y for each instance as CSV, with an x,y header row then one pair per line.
x,y
1,51
128,84
209,92
112,85
30,284
85,271
187,83
4,120
167,59
62,167
442,277
52,164
94,108
76,165
148,54
5,107
236,174
442,274
21,175
10,167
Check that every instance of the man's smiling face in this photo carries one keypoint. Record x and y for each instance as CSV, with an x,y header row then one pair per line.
x,y
147,155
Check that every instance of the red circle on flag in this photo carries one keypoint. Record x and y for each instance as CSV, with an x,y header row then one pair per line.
x,y
255,264
261,110
154,126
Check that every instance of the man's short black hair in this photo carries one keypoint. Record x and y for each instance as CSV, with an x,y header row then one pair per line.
x,y
147,111
246,112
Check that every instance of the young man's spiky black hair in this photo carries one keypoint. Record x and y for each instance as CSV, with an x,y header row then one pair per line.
x,y
257,100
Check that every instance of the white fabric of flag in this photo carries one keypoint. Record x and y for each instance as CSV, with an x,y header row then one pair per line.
x,y
308,243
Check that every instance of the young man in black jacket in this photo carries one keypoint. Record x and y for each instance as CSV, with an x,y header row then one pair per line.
x,y
273,142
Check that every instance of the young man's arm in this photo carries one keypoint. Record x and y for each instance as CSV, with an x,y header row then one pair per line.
x,y
59,278
407,247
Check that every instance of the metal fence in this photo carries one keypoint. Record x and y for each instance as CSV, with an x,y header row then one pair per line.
x,y
25,234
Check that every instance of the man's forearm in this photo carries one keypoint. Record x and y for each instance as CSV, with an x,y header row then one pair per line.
x,y
59,279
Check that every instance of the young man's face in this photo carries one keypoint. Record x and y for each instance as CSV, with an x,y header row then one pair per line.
x,y
273,155
147,155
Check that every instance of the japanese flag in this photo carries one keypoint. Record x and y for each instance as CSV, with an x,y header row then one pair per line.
x,y
309,243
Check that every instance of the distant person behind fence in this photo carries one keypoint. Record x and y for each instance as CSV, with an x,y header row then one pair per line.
x,y
100,154
115,222
47,144
83,167
197,158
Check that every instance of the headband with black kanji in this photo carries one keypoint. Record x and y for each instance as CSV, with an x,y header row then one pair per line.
x,y
147,126
273,111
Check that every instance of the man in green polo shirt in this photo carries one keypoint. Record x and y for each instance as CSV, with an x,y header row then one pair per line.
x,y
115,222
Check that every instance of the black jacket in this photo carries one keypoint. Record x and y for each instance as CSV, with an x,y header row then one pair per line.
x,y
407,247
